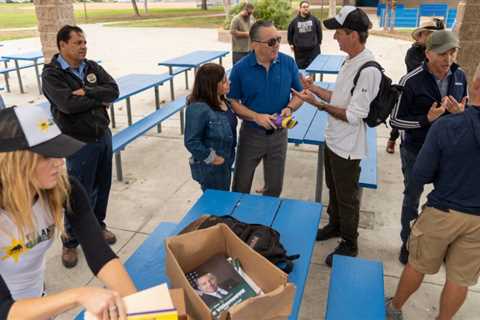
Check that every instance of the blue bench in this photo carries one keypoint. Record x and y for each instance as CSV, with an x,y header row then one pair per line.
x,y
434,10
356,290
452,16
121,139
147,265
5,70
404,18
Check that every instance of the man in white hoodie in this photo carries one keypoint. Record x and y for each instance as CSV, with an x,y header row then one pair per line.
x,y
346,136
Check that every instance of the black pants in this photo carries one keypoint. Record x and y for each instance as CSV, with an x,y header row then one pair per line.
x,y
92,166
236,56
341,176
303,57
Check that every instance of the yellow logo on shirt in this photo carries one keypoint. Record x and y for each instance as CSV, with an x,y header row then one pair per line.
x,y
14,250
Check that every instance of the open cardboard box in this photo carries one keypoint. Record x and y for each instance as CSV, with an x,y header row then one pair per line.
x,y
187,251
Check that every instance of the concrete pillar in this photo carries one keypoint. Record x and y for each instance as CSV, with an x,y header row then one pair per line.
x,y
51,16
468,29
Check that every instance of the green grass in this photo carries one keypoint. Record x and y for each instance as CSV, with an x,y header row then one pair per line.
x,y
13,15
12,35
197,22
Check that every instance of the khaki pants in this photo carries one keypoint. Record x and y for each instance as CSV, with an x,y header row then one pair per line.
x,y
453,236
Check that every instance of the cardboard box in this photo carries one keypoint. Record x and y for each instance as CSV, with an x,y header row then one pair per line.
x,y
187,251
178,299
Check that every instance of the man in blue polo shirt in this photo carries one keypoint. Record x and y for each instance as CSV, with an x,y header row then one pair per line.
x,y
260,91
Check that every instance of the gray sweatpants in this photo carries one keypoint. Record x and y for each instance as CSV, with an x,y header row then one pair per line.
x,y
254,145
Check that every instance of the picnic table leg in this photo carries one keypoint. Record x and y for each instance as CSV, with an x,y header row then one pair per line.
x,y
37,73
220,60
118,166
129,112
157,106
186,79
360,194
6,76
320,162
182,121
112,115
19,77
172,92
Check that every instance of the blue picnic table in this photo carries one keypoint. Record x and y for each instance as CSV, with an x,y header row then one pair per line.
x,y
188,61
35,58
297,221
131,84
311,130
326,64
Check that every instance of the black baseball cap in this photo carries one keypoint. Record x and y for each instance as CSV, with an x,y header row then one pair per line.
x,y
33,128
349,17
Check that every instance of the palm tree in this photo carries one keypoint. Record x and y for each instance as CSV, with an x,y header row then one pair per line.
x,y
135,8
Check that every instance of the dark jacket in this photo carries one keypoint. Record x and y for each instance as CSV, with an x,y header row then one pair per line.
x,y
450,160
305,33
82,117
419,93
415,56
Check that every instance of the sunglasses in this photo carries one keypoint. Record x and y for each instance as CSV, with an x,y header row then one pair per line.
x,y
271,42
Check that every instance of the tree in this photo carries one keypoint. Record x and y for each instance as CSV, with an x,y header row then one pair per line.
x,y
145,3
204,5
135,8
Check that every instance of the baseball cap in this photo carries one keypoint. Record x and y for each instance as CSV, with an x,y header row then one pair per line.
x,y
349,17
442,41
33,128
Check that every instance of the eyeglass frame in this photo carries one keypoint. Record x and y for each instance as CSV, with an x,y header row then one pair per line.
x,y
269,41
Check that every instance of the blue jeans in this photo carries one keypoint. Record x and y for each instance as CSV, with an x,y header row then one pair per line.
x,y
411,198
210,176
92,166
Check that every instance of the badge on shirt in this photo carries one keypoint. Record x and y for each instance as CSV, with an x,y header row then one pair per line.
x,y
91,78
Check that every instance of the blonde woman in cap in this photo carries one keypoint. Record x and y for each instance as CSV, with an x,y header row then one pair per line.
x,y
35,197
413,59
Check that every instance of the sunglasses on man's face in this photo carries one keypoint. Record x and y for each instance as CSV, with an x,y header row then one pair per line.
x,y
271,42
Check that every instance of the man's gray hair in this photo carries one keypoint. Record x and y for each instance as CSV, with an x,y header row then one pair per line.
x,y
255,29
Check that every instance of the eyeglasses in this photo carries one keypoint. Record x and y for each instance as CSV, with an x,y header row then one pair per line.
x,y
271,42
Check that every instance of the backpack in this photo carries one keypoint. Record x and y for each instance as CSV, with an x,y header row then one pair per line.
x,y
381,107
261,238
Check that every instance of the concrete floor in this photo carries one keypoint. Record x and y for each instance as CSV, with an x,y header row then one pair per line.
x,y
159,188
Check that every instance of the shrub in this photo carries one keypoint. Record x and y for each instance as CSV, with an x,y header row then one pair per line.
x,y
277,11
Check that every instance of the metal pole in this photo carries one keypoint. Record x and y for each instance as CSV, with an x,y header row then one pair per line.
x,y
6,76
19,76
37,73
118,166
157,106
172,93
319,182
129,112
112,115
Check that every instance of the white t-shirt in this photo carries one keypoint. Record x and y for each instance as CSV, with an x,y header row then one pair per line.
x,y
349,139
22,263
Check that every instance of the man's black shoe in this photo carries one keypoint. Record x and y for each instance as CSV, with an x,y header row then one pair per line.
x,y
403,257
328,232
345,248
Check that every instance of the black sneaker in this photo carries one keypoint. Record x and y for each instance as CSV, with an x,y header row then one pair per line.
x,y
403,256
345,248
328,232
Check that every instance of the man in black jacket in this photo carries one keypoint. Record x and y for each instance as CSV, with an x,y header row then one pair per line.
x,y
80,91
437,87
305,36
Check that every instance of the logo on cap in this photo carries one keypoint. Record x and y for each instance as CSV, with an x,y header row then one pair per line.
x,y
44,125
92,78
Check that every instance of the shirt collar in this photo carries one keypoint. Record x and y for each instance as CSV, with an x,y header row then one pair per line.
x,y
65,65
253,59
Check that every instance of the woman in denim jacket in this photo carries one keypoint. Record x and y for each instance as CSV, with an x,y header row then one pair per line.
x,y
211,129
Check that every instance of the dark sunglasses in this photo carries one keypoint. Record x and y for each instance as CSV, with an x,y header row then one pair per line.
x,y
271,42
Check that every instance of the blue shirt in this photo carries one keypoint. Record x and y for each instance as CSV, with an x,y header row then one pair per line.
x,y
79,72
264,91
450,159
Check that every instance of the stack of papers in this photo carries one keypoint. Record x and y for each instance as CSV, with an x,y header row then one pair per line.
x,y
150,304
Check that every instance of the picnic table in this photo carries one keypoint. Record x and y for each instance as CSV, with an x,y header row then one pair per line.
x,y
188,61
34,58
131,84
311,130
297,221
326,64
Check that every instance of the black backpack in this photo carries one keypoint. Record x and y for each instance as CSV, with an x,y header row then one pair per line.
x,y
381,107
263,239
